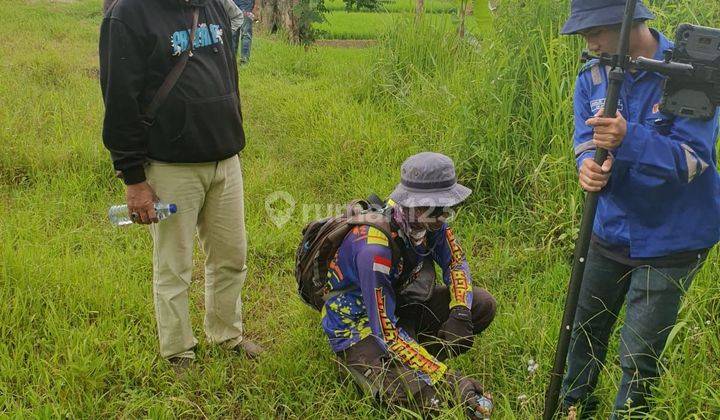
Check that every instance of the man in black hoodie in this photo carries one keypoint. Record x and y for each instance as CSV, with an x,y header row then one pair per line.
x,y
184,151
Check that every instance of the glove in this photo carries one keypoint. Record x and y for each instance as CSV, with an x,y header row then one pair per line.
x,y
457,331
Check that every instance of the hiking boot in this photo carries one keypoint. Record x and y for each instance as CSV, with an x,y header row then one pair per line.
x,y
180,364
249,348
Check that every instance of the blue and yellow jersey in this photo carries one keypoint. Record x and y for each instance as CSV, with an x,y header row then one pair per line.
x,y
365,275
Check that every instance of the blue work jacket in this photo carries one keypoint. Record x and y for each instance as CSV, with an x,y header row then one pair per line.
x,y
663,194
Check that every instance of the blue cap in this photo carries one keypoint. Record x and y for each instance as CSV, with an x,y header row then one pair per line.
x,y
172,208
585,14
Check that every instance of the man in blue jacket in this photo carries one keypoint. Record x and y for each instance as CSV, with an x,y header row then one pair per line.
x,y
658,214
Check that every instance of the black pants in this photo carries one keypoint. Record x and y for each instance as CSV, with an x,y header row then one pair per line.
x,y
422,320
392,382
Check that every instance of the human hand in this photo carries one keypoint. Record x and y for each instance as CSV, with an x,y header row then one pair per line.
x,y
608,133
141,201
457,331
468,391
594,177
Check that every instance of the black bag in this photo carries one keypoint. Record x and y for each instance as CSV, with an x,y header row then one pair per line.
x,y
419,284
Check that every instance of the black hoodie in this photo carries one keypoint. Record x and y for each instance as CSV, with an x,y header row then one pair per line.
x,y
201,121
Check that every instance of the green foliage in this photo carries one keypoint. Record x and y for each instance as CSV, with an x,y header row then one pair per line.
x,y
366,25
309,13
357,25
401,6
370,5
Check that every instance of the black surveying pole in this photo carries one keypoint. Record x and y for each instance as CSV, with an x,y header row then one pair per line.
x,y
616,76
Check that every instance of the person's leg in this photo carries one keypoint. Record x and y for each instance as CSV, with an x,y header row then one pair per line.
x,y
604,286
423,319
246,39
653,302
182,185
483,309
221,227
387,381
427,317
236,41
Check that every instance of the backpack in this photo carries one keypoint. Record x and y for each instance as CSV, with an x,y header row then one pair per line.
x,y
321,240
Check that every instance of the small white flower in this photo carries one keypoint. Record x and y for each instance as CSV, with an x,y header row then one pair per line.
x,y
708,322
532,366
522,398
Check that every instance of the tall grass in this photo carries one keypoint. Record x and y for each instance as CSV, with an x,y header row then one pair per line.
x,y
77,334
499,103
504,102
372,25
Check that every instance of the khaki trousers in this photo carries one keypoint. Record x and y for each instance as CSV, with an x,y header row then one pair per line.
x,y
209,197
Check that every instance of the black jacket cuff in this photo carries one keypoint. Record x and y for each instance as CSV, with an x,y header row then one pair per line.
x,y
133,175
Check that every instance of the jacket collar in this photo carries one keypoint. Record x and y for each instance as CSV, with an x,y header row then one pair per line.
x,y
663,44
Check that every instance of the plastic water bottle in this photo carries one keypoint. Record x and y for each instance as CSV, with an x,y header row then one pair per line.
x,y
119,214
482,407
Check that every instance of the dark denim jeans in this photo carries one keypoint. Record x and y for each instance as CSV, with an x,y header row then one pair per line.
x,y
653,299
242,39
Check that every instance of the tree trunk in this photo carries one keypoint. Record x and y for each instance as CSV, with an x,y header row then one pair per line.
x,y
277,15
462,13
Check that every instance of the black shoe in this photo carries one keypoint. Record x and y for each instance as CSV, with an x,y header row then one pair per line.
x,y
249,348
180,364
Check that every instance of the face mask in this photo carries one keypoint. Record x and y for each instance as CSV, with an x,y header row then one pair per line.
x,y
417,236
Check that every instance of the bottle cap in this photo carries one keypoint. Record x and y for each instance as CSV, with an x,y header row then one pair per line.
x,y
172,208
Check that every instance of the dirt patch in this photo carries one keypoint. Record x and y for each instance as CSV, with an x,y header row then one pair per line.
x,y
15,177
346,43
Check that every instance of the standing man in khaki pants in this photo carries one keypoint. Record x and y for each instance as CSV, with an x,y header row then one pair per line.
x,y
173,126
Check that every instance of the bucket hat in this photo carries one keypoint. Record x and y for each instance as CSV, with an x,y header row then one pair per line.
x,y
428,180
585,14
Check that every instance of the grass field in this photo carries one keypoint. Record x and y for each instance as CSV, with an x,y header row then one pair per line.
x,y
77,331
341,24
399,6
369,25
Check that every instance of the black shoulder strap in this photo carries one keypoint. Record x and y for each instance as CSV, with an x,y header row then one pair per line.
x,y
108,4
172,77
375,202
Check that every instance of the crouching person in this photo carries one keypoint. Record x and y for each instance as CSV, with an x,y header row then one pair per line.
x,y
388,321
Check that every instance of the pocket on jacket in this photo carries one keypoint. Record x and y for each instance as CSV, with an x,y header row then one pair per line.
x,y
213,121
198,130
662,125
